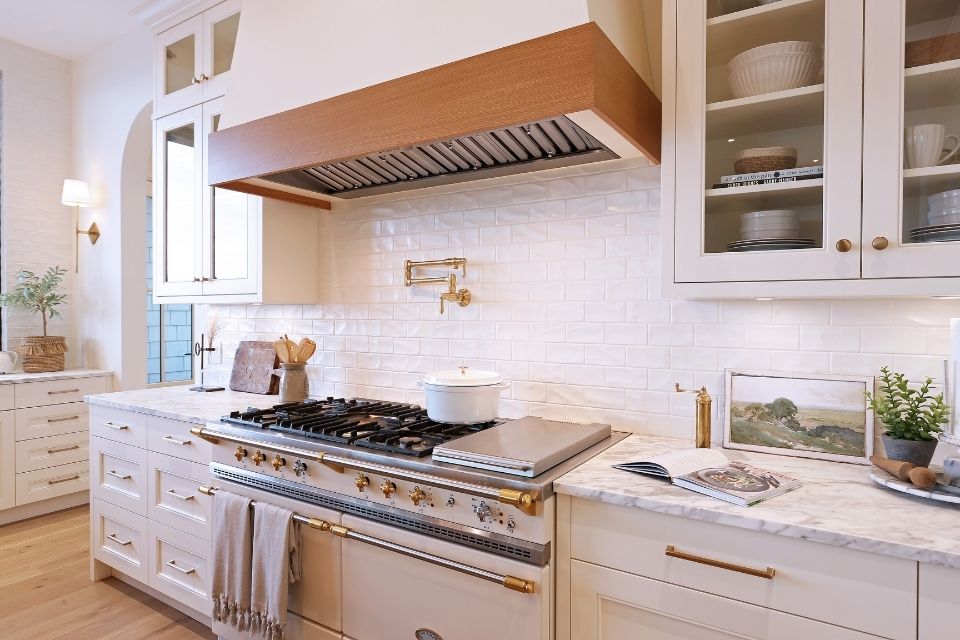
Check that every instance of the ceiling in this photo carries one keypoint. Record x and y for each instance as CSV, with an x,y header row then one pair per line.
x,y
66,28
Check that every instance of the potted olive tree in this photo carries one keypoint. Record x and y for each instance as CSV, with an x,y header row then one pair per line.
x,y
39,294
912,417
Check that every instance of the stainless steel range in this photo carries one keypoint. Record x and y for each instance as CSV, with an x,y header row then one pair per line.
x,y
419,546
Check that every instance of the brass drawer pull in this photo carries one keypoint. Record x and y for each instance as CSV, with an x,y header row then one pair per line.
x,y
63,419
124,543
121,476
766,574
62,449
55,393
64,479
176,441
178,496
118,427
173,565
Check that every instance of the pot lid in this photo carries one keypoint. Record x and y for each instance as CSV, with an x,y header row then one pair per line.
x,y
463,377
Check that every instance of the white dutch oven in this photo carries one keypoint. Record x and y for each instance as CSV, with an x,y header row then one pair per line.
x,y
463,396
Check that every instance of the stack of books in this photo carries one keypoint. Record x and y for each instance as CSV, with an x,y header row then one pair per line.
x,y
770,177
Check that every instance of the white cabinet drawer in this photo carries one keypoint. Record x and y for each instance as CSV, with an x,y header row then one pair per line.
x,y
179,566
53,482
812,580
304,629
41,453
119,425
173,437
120,539
174,500
40,422
6,397
939,602
38,394
119,474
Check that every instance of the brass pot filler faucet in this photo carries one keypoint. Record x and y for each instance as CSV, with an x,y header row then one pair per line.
x,y
452,294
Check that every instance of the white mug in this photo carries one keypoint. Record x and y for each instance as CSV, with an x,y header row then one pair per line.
x,y
923,144
8,361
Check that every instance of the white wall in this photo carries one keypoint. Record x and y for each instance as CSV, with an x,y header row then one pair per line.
x,y
564,267
36,231
112,90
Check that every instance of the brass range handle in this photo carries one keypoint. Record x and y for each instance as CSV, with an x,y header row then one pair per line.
x,y
880,243
766,574
844,245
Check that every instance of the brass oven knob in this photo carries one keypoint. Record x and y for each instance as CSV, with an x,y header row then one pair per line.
x,y
258,457
240,454
362,482
417,496
844,245
387,488
880,243
278,462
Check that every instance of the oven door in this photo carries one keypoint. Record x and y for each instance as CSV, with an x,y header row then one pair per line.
x,y
316,597
388,595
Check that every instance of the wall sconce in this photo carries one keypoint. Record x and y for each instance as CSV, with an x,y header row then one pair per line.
x,y
76,194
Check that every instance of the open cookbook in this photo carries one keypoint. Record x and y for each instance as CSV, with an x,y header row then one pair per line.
x,y
710,472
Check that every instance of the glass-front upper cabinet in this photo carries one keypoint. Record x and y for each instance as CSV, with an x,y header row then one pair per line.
x,y
193,59
911,115
767,139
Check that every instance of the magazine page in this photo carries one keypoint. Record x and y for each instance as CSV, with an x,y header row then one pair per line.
x,y
737,482
677,463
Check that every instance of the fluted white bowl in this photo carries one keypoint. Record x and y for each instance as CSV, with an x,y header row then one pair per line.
x,y
787,46
773,72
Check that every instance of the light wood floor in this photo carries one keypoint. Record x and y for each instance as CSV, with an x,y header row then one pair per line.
x,y
46,592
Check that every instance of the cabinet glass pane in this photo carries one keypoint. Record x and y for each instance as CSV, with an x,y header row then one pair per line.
x,y
764,112
180,184
229,228
931,120
179,69
224,41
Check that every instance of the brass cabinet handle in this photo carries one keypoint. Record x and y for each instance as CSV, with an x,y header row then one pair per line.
x,y
173,565
114,537
62,449
64,479
176,441
195,80
63,419
116,474
844,245
179,496
203,77
54,393
118,427
880,243
766,574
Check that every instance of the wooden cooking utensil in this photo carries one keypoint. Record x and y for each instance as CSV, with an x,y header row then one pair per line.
x,y
306,349
280,346
920,476
291,348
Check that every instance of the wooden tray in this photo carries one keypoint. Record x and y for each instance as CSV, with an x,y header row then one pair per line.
x,y
930,50
253,367
892,482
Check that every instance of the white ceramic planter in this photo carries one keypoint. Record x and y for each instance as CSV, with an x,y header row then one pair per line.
x,y
462,396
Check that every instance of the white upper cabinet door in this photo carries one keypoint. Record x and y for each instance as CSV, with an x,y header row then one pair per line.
x,y
178,200
911,106
178,64
220,25
231,229
712,124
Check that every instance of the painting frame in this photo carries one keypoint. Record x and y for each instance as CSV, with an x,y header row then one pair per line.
x,y
731,377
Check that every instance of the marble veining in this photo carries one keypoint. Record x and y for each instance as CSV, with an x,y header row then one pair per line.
x,y
179,403
69,374
838,504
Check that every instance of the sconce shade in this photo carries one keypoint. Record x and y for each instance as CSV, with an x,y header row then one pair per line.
x,y
76,193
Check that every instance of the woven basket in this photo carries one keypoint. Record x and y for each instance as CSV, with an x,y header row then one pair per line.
x,y
43,353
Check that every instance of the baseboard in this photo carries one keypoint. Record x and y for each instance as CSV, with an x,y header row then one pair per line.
x,y
34,509
165,599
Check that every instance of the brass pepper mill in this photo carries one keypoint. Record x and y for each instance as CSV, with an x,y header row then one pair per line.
x,y
704,410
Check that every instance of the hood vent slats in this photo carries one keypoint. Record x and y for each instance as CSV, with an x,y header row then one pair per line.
x,y
551,142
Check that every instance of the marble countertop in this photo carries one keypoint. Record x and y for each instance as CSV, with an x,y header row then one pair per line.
x,y
179,403
838,504
68,374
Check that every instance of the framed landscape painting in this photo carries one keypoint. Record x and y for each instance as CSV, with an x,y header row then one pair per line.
x,y
804,415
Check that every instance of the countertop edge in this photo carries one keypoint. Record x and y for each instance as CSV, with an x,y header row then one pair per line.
x,y
102,401
21,377
812,534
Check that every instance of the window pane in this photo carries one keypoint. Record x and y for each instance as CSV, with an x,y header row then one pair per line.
x,y
224,41
181,203
177,330
179,67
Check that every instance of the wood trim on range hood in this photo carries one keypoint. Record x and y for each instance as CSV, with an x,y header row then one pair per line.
x,y
576,72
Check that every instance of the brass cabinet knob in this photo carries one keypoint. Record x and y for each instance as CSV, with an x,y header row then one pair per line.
x,y
258,457
417,496
388,488
240,454
844,245
195,80
278,462
362,482
880,243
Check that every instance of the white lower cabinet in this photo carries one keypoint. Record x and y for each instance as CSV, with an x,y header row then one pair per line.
x,y
303,629
179,566
119,539
8,457
939,602
43,484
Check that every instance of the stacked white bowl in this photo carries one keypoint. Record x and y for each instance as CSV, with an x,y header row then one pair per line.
x,y
944,207
770,224
777,66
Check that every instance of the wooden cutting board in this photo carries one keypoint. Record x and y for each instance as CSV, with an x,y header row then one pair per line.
x,y
253,367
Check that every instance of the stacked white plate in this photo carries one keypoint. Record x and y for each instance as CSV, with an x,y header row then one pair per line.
x,y
943,218
769,230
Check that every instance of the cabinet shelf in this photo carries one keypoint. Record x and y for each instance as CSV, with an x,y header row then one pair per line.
x,y
765,196
733,33
926,181
788,109
931,85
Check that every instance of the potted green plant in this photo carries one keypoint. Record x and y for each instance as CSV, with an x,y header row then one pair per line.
x,y
912,417
39,294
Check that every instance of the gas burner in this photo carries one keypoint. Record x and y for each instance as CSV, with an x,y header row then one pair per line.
x,y
373,424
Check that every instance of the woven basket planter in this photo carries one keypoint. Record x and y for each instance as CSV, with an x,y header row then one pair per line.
x,y
43,353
